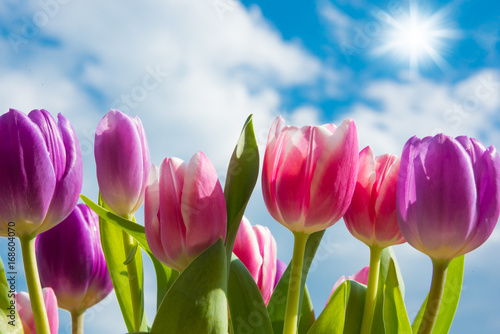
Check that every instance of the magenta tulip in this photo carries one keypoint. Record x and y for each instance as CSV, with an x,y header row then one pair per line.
x,y
40,171
256,248
185,210
122,162
71,261
372,217
448,197
309,174
26,314
360,277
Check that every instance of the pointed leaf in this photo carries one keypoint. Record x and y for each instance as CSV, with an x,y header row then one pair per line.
x,y
395,315
196,302
241,177
355,307
307,317
449,302
332,319
248,310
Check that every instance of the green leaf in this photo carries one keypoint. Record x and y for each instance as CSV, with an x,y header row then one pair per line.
x,y
395,316
332,319
196,302
241,177
131,254
248,310
449,301
114,252
277,304
165,276
9,318
355,307
307,317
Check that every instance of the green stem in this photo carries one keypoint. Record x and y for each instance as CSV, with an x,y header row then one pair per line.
x,y
439,269
133,279
292,305
371,291
77,321
34,286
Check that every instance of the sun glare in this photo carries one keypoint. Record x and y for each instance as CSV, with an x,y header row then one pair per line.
x,y
417,37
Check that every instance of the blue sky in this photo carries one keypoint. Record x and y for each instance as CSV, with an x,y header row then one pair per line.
x,y
193,70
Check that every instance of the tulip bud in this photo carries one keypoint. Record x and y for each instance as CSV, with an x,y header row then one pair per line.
x,y
448,196
256,248
309,174
25,312
372,217
360,277
40,171
185,210
122,161
71,261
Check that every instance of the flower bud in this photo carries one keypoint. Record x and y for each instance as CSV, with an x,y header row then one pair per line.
x,y
25,312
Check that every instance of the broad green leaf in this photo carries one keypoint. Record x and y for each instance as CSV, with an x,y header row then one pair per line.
x,y
355,307
307,317
9,318
114,252
449,302
395,317
196,302
277,304
332,319
165,276
248,310
241,177
385,259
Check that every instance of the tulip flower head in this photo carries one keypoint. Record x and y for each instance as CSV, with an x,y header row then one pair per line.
x,y
372,217
185,210
122,162
256,248
309,174
23,306
40,171
71,261
448,196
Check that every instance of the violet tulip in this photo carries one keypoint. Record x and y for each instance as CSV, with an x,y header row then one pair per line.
x,y
25,312
372,217
448,194
309,174
448,203
40,171
185,210
280,270
256,248
71,262
122,162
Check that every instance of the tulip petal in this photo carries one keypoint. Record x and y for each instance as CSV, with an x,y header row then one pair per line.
x,y
268,253
151,208
246,248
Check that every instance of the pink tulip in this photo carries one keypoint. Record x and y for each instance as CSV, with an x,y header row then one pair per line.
x,y
372,216
122,161
26,314
448,196
360,277
309,174
256,248
185,210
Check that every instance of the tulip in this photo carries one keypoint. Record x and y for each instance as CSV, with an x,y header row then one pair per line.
x,y
256,248
25,312
360,277
309,174
308,178
71,262
280,270
448,202
185,210
40,180
40,171
372,217
122,162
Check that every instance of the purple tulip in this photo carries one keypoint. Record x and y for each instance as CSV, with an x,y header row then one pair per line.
x,y
256,248
280,269
448,196
23,307
40,171
122,162
71,261
184,211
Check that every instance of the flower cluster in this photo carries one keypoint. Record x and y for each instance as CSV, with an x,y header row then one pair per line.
x,y
215,271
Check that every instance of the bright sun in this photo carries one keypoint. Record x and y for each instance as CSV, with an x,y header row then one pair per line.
x,y
417,37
